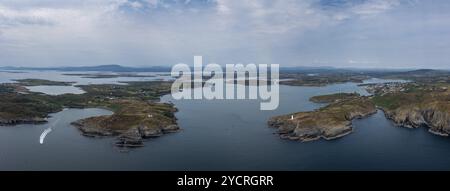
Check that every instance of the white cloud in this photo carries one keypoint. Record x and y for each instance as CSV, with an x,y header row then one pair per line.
x,y
11,17
268,16
372,7
132,32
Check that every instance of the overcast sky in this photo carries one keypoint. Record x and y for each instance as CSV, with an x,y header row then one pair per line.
x,y
340,33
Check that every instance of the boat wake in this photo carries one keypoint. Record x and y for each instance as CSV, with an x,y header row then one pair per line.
x,y
47,131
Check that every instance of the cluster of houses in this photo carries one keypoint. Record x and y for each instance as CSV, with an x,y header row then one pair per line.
x,y
383,88
393,87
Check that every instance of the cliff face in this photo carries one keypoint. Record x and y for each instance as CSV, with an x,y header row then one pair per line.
x,y
133,122
433,116
416,105
131,136
330,122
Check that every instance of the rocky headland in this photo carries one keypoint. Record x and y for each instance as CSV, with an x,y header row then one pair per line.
x,y
132,122
330,122
137,114
417,105
425,103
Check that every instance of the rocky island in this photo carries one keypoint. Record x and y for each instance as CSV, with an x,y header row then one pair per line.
x,y
107,75
42,82
330,122
137,112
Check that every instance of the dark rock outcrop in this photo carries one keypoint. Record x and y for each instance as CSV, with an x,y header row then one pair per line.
x,y
330,122
15,121
130,137
436,119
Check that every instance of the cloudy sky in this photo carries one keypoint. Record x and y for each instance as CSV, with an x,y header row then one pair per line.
x,y
340,33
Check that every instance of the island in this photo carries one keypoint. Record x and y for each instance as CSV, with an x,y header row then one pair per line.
x,y
105,75
42,82
137,112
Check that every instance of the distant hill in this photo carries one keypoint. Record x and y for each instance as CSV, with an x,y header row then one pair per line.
x,y
299,69
101,68
422,72
119,68
425,72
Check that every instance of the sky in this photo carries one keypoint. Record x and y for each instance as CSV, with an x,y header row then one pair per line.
x,y
337,33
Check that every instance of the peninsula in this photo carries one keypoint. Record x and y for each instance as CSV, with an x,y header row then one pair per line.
x,y
415,105
424,102
330,122
137,112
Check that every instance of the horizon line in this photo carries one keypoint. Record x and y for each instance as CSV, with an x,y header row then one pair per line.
x,y
285,67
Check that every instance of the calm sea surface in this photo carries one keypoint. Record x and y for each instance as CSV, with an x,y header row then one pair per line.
x,y
219,135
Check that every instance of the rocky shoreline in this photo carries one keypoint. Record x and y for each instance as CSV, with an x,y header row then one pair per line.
x,y
438,122
330,122
11,122
132,123
414,105
132,137
137,114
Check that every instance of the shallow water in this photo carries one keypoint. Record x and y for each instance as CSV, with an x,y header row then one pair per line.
x,y
227,135
10,76
56,90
